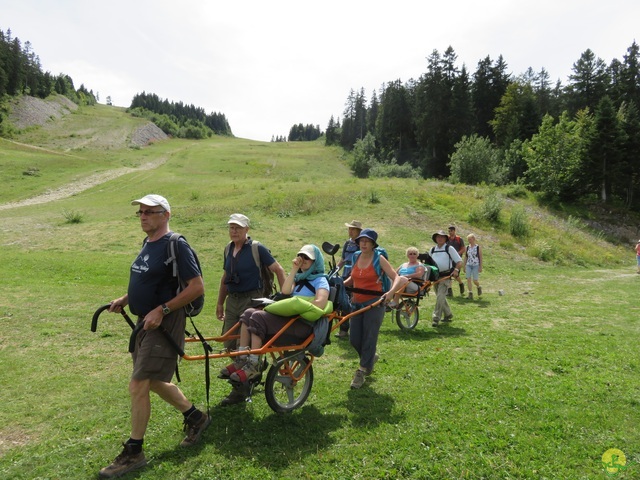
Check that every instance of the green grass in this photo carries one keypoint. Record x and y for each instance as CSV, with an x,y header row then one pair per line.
x,y
537,383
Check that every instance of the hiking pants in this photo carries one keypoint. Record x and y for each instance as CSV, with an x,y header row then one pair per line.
x,y
442,306
363,334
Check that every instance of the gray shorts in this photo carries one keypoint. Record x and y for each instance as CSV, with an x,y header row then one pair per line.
x,y
472,271
154,358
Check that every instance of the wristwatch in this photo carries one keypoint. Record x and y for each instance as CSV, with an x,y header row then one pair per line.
x,y
165,310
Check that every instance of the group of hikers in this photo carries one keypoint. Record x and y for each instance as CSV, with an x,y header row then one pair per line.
x,y
159,304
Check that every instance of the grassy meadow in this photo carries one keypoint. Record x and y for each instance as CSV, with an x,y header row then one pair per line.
x,y
537,383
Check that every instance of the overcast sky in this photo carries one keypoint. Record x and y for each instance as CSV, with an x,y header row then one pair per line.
x,y
268,65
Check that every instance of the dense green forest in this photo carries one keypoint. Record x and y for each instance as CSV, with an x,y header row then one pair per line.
x,y
177,119
302,133
570,142
21,73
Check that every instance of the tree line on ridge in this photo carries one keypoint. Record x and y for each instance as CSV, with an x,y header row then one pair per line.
x,y
574,141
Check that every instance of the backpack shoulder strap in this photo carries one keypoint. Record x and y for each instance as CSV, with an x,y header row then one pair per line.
x,y
376,262
256,253
227,249
172,252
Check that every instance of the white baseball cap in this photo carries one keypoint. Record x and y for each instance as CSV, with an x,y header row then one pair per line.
x,y
239,219
309,251
153,200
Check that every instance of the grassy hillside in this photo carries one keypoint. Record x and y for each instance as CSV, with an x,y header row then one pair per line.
x,y
537,383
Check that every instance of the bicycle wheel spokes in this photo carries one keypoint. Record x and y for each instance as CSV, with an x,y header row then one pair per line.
x,y
407,315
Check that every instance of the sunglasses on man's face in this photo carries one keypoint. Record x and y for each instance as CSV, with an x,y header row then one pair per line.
x,y
148,213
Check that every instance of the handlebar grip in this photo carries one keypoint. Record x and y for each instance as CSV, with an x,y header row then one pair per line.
x,y
94,320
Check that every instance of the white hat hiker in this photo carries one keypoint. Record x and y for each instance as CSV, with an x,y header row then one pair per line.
x,y
153,200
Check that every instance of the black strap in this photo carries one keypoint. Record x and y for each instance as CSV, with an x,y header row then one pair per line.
x,y
364,291
446,249
207,350
305,283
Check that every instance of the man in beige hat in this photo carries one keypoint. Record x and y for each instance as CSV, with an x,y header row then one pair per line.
x,y
350,247
241,282
449,263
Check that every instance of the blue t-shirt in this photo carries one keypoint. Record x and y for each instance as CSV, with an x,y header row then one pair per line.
x,y
242,273
151,282
408,269
319,283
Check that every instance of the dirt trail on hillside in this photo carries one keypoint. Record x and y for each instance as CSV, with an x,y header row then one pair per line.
x,y
74,188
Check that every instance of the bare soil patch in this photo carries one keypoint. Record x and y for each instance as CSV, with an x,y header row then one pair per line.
x,y
81,185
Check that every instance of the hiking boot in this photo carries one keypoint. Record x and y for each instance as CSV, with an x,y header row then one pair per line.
x,y
470,297
449,292
124,463
435,322
448,319
342,334
237,364
479,291
238,395
195,428
247,373
358,379
461,288
376,357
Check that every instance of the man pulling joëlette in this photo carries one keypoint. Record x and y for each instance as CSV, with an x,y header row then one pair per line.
x,y
152,297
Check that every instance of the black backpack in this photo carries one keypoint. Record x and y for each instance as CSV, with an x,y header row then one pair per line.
x,y
431,267
195,307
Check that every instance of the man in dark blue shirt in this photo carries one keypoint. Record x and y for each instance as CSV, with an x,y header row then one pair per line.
x,y
241,281
152,297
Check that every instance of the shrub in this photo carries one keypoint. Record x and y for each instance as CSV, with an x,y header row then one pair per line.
x,y
475,161
72,216
392,169
489,210
519,223
543,250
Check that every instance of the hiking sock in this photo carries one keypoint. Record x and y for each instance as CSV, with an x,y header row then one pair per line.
x,y
190,411
254,359
243,349
136,445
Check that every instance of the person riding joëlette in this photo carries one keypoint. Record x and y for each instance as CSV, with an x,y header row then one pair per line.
x,y
365,326
449,264
152,297
472,265
411,270
456,242
306,279
348,249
